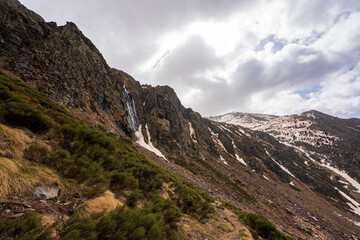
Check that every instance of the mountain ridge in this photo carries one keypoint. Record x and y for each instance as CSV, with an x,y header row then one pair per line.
x,y
251,169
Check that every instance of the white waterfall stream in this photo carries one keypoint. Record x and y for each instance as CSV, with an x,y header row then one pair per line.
x,y
132,117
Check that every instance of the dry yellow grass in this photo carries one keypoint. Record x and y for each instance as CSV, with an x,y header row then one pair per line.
x,y
12,142
223,224
17,178
106,202
245,234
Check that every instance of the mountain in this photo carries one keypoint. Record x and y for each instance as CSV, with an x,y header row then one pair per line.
x,y
254,170
248,120
330,141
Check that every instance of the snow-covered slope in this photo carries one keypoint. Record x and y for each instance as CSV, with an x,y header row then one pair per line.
x,y
248,120
328,141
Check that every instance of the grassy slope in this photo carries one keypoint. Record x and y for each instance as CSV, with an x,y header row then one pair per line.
x,y
95,161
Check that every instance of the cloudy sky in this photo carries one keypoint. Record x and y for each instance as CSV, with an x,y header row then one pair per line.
x,y
262,56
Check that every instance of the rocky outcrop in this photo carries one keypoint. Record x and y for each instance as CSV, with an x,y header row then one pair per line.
x,y
62,63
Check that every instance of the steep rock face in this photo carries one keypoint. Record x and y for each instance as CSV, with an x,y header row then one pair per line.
x,y
168,121
248,168
62,63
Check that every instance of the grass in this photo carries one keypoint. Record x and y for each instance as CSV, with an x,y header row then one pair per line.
x,y
12,142
104,203
18,178
28,227
97,162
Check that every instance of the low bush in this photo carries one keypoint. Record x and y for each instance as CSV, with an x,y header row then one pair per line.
x,y
36,153
27,227
258,224
135,196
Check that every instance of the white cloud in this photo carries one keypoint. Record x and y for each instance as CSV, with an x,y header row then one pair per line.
x,y
273,56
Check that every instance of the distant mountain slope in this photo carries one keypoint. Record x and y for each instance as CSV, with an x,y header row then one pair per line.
x,y
331,141
248,120
251,169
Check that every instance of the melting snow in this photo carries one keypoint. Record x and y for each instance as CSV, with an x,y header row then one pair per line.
x,y
149,146
192,133
343,182
281,166
354,222
312,216
290,129
266,177
354,129
240,159
237,156
292,184
223,159
243,132
243,119
354,205
216,139
352,181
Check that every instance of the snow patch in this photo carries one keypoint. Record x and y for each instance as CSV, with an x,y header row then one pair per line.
x,y
291,129
149,146
223,160
242,131
292,184
312,216
343,182
192,133
352,181
342,173
354,205
215,138
243,119
281,166
354,129
266,177
240,159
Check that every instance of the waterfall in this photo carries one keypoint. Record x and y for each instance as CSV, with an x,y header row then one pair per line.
x,y
132,117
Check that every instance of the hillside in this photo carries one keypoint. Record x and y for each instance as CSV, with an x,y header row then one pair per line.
x,y
254,170
86,184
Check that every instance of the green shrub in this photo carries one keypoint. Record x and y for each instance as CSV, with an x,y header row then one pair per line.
x,y
193,201
36,153
77,228
263,227
121,223
28,227
134,197
258,224
21,114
